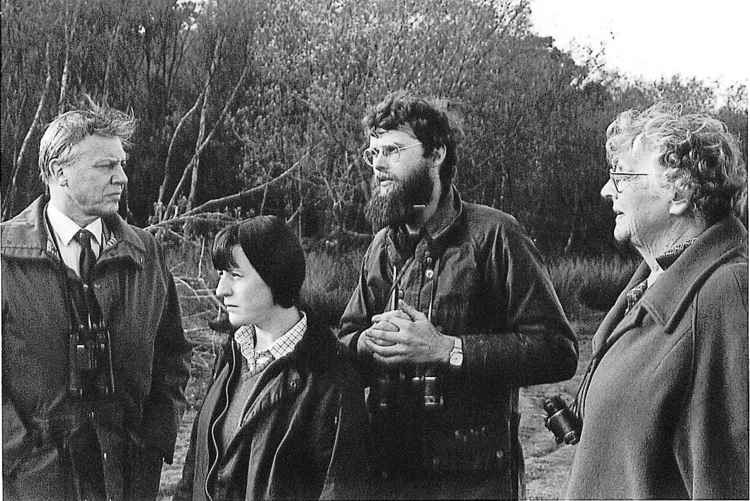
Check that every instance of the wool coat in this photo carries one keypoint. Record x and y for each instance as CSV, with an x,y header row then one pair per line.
x,y
666,414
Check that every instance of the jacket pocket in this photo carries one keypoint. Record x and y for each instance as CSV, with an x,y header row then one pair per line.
x,y
471,449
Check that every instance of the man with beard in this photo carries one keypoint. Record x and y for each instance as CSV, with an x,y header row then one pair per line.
x,y
453,311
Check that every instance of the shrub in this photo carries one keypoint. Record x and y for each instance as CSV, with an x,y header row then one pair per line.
x,y
329,283
586,285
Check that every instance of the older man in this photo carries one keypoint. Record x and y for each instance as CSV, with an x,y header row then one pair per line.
x,y
665,400
94,360
452,312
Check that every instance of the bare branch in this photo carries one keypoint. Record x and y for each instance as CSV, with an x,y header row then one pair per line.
x,y
110,54
204,114
180,125
10,196
69,35
219,120
237,196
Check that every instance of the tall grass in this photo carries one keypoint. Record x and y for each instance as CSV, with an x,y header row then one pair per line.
x,y
329,283
591,284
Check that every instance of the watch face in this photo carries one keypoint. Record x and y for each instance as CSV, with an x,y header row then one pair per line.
x,y
457,359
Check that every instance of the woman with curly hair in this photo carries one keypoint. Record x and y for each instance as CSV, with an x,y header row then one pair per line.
x,y
664,402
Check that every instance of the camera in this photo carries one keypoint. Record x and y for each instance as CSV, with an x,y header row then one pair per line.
x,y
561,421
90,373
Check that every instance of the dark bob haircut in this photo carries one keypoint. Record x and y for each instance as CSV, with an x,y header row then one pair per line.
x,y
271,248
430,121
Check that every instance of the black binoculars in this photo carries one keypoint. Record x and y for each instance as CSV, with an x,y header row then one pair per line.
x,y
420,385
90,373
561,421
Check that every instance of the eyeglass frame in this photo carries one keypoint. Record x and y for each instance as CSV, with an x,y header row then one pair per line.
x,y
388,156
613,173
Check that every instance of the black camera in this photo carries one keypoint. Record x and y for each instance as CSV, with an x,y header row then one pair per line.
x,y
90,373
561,421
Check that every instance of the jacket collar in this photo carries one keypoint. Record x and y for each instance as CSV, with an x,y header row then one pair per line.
x,y
448,211
26,236
668,298
436,231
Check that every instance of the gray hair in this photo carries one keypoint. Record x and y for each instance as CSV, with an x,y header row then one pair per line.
x,y
70,128
696,150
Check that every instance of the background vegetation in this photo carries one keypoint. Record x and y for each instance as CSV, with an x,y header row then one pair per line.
x,y
256,106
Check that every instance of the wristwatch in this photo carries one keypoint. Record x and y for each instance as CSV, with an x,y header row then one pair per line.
x,y
456,358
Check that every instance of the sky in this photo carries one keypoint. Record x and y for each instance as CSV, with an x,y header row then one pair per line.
x,y
650,39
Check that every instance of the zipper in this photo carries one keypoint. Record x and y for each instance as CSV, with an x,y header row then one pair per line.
x,y
212,431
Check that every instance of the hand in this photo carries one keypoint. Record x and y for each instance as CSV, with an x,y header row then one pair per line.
x,y
405,336
365,340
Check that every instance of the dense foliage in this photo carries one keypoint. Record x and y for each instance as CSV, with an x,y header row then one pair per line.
x,y
233,95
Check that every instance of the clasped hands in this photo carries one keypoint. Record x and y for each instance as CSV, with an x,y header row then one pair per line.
x,y
403,336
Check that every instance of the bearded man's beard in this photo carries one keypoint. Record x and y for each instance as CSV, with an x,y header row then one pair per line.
x,y
397,205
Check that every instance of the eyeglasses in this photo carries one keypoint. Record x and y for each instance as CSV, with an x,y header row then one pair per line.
x,y
617,177
389,151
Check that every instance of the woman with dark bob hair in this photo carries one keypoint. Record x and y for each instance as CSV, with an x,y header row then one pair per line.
x,y
284,417
664,402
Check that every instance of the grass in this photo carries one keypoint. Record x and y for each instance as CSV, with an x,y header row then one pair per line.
x,y
591,284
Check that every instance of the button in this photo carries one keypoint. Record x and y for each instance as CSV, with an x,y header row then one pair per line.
x,y
428,274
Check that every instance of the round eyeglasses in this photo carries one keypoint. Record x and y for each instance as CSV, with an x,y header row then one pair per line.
x,y
618,177
390,152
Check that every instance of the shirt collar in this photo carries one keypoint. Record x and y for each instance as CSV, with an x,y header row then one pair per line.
x,y
286,343
245,336
66,228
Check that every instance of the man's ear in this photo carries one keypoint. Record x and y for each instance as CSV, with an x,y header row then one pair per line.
x,y
438,155
57,173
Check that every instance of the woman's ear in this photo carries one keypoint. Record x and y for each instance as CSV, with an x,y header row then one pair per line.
x,y
438,155
681,203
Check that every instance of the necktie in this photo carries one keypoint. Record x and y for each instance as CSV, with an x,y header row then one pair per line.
x,y
87,258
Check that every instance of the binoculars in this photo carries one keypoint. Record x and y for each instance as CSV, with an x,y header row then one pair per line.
x,y
419,385
90,373
561,421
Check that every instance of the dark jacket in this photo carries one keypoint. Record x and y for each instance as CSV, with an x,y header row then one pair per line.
x,y
666,415
150,359
479,277
303,436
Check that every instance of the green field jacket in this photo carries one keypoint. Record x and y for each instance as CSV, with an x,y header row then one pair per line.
x,y
150,361
478,276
